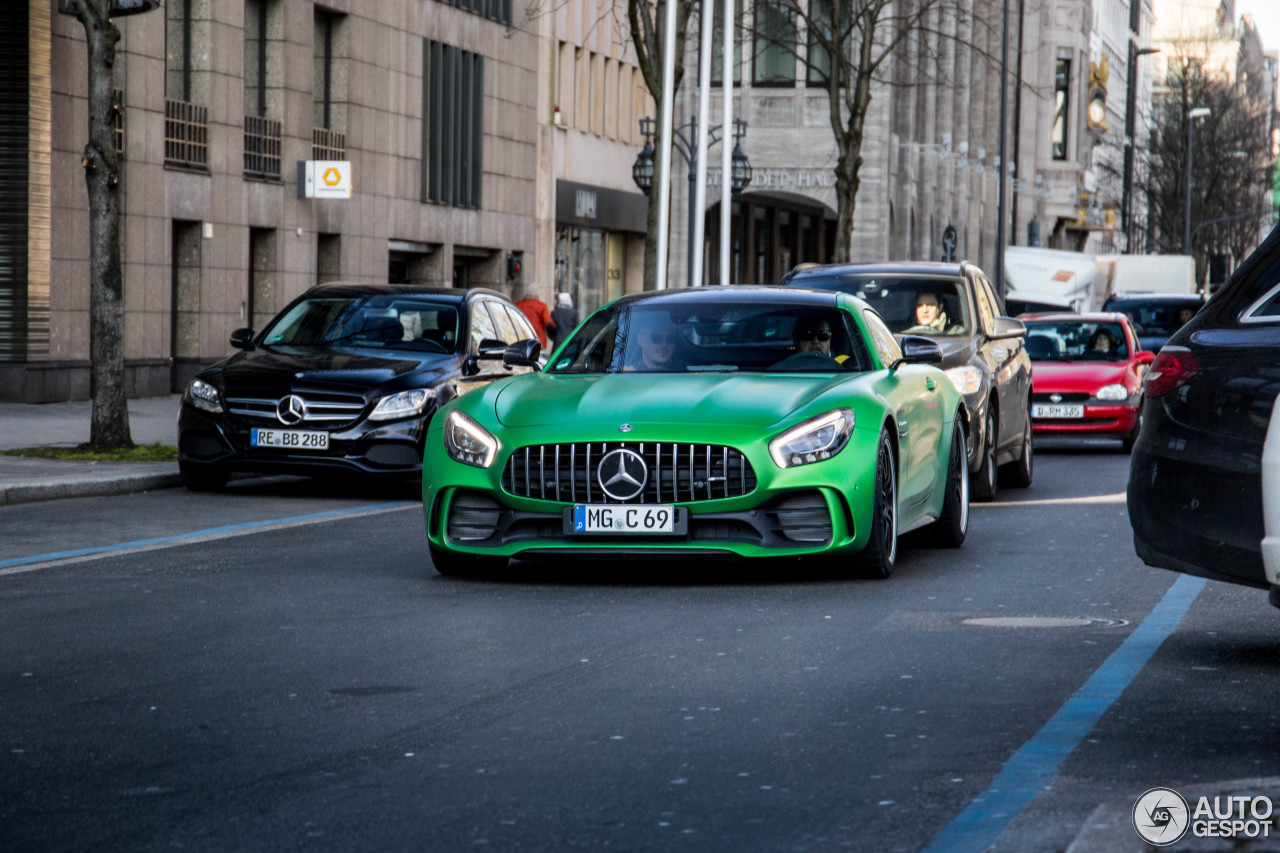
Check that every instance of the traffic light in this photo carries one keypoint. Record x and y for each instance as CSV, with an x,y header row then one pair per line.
x,y
515,264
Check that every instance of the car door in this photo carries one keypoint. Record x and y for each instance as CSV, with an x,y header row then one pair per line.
x,y
912,394
1010,369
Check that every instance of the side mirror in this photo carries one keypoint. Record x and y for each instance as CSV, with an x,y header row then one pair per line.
x,y
1007,327
522,354
491,349
1145,357
242,338
918,350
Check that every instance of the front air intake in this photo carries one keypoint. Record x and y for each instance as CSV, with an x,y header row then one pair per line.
x,y
472,517
805,518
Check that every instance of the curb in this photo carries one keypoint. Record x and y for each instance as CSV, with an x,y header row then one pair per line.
x,y
31,492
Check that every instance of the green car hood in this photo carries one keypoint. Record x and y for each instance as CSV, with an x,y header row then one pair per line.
x,y
749,399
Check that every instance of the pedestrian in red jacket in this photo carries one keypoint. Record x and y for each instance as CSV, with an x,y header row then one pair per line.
x,y
538,313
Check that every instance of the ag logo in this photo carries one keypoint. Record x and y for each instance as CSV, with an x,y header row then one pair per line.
x,y
1161,817
332,177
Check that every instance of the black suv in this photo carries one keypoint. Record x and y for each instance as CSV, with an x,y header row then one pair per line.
x,y
1155,316
345,379
983,352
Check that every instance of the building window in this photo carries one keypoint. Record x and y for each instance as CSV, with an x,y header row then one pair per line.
x,y
1061,107
178,35
329,87
453,125
717,50
263,138
775,48
494,10
821,29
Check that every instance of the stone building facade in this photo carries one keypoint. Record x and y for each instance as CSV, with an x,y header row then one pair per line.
x,y
431,104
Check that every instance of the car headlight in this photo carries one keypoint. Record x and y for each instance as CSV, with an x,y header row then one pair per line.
x,y
1114,391
967,379
814,440
204,396
402,405
468,442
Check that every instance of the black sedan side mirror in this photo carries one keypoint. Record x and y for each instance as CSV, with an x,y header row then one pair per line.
x,y
1007,327
918,350
242,338
523,354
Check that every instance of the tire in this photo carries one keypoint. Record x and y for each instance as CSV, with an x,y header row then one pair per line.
x,y
952,526
1131,439
983,484
1019,472
203,478
877,559
464,565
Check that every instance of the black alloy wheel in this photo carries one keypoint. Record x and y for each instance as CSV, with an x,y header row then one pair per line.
x,y
203,478
1131,439
877,559
951,528
1018,473
984,479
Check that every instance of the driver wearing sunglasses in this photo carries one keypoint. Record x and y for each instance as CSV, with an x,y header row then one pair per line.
x,y
658,348
813,334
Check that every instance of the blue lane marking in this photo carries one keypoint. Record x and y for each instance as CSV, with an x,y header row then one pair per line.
x,y
1033,767
210,531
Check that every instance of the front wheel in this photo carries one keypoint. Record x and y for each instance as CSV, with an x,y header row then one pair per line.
x,y
464,565
984,479
952,526
1018,473
1132,438
877,559
203,478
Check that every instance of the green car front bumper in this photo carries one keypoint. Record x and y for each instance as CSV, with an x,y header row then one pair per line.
x,y
820,508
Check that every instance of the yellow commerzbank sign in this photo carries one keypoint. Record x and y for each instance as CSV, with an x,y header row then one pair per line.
x,y
324,179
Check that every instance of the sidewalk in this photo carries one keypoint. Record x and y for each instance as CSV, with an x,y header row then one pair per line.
x,y
151,420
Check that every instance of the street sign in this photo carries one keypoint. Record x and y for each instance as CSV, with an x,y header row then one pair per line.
x,y
324,179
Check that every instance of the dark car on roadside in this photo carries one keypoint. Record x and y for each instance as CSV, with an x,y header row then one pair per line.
x,y
344,381
1155,316
983,351
1204,479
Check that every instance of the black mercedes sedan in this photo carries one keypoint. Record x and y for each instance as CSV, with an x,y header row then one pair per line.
x,y
344,379
1204,481
983,353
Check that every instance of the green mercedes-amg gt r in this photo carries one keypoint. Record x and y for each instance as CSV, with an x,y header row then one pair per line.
x,y
748,421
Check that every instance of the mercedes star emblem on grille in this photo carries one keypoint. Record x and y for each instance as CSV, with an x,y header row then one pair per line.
x,y
1055,398
622,474
291,410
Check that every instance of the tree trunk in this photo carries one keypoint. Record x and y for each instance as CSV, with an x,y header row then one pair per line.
x,y
109,426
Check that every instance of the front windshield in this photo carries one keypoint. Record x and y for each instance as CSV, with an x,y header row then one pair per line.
x,y
1075,340
1158,318
909,304
383,321
712,337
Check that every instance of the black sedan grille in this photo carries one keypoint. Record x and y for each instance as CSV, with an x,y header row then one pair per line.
x,y
323,410
676,472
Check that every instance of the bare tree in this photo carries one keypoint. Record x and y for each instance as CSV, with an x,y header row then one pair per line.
x,y
848,47
1230,166
109,426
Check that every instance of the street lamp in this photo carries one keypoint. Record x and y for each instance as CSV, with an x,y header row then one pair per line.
x,y
1198,112
684,136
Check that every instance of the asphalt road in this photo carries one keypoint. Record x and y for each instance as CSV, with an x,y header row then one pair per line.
x,y
279,668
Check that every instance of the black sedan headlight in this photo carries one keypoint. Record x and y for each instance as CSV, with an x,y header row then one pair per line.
x,y
403,405
203,396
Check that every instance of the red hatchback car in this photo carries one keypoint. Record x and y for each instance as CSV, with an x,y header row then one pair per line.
x,y
1086,377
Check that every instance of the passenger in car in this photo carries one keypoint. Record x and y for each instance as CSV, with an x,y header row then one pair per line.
x,y
657,348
